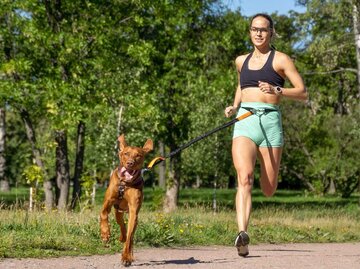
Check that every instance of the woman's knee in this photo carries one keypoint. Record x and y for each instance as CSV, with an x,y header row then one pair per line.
x,y
245,181
268,189
269,192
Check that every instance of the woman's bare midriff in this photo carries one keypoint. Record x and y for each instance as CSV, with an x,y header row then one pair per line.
x,y
254,94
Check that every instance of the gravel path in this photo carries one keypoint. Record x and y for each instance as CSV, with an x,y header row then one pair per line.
x,y
284,256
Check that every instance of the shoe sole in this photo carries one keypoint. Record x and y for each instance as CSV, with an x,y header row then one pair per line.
x,y
241,243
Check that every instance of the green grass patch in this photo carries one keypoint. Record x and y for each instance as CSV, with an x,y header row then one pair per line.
x,y
289,216
15,198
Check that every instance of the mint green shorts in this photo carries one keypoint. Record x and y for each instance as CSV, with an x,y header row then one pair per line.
x,y
263,127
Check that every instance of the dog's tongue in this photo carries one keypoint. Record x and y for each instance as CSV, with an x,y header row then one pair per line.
x,y
129,174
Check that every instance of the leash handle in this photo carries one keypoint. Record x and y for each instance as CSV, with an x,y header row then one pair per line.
x,y
155,161
245,115
158,160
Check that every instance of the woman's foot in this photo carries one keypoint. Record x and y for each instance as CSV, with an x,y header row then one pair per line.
x,y
241,243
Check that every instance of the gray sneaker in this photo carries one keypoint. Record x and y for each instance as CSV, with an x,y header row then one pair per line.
x,y
241,243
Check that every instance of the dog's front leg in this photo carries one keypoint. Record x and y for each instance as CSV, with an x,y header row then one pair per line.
x,y
134,198
104,220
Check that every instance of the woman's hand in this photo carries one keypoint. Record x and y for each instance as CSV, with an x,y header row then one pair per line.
x,y
266,87
230,110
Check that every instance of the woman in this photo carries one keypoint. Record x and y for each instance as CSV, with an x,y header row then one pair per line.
x,y
261,77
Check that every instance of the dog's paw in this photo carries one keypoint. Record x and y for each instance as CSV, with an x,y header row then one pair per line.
x,y
127,259
105,237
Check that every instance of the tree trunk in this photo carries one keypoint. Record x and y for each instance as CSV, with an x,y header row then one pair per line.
x,y
162,166
332,188
4,183
54,16
7,49
62,169
356,22
30,133
172,190
340,107
118,130
79,160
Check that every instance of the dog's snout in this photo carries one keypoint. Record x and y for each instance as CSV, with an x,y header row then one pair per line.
x,y
130,162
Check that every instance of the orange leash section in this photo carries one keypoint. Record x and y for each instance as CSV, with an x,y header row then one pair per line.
x,y
158,160
155,161
245,115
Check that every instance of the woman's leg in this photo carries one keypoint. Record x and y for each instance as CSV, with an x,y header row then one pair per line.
x,y
270,159
244,153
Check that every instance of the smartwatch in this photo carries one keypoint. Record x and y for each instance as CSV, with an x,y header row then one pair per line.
x,y
278,90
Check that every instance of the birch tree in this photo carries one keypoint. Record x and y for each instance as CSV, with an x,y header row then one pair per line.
x,y
356,26
4,182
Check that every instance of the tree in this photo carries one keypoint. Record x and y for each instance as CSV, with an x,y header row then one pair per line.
x,y
4,182
330,77
179,61
356,27
79,163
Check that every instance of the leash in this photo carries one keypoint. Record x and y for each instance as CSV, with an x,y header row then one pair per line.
x,y
160,159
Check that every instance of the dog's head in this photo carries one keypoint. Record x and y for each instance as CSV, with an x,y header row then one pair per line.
x,y
132,158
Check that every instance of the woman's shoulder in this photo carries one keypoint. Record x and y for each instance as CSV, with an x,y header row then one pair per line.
x,y
281,56
239,61
241,58
281,60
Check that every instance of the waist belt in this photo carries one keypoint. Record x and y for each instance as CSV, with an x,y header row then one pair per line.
x,y
261,111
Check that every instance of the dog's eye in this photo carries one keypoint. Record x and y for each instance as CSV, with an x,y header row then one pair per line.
x,y
126,153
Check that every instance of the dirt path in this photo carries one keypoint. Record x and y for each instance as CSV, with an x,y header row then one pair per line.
x,y
286,256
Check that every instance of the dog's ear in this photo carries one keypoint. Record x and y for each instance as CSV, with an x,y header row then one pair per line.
x,y
148,146
122,142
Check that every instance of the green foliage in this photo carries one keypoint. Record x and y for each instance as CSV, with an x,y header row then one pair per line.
x,y
322,137
33,175
87,187
169,66
156,198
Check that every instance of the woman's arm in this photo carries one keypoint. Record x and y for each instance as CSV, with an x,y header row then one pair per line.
x,y
298,91
285,66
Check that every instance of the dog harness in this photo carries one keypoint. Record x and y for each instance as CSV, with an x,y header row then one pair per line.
x,y
128,179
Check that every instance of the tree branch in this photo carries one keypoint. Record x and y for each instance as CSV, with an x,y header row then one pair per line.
x,y
331,72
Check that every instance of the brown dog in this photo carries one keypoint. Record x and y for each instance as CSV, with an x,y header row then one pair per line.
x,y
126,195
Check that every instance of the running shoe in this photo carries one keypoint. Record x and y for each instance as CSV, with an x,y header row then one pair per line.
x,y
241,243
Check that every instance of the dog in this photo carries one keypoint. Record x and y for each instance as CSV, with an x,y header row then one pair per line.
x,y
125,194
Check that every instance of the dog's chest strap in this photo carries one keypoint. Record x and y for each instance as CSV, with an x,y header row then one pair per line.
x,y
121,190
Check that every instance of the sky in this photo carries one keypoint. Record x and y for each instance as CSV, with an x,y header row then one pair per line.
x,y
251,7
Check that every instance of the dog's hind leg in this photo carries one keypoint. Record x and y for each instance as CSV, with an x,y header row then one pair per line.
x,y
120,220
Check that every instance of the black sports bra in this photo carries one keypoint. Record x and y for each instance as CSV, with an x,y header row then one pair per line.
x,y
251,78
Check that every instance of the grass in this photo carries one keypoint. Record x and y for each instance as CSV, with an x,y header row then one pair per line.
x,y
289,216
